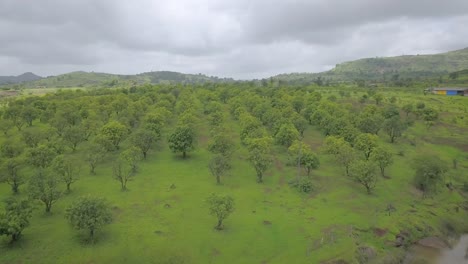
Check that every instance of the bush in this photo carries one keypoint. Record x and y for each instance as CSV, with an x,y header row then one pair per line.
x,y
304,185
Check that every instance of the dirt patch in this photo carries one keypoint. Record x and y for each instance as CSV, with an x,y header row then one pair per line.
x,y
8,93
266,222
380,232
334,261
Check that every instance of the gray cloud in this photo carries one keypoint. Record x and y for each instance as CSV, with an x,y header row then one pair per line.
x,y
242,39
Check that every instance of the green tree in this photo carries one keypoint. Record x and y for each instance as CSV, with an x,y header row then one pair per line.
x,y
11,175
286,135
112,134
41,156
182,140
310,161
5,126
394,128
430,115
73,136
32,136
219,165
123,173
408,108
221,144
89,213
383,158
259,155
429,172
13,113
94,154
44,187
15,218
220,206
29,113
363,172
11,149
344,154
66,169
378,98
144,139
132,156
366,143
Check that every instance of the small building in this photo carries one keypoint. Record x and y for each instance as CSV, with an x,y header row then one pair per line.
x,y
450,91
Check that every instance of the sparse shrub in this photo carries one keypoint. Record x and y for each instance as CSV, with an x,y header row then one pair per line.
x,y
304,185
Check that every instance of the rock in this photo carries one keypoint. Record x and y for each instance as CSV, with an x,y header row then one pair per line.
x,y
433,242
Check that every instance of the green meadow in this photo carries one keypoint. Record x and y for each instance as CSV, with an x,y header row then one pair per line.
x,y
163,217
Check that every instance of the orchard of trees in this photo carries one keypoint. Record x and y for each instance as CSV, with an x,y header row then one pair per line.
x,y
54,141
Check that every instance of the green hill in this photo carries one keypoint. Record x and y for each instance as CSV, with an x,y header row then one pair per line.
x,y
388,69
25,77
92,79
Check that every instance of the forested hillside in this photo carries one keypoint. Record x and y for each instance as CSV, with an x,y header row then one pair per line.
x,y
401,70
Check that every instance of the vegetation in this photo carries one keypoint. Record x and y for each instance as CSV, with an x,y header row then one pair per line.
x,y
333,181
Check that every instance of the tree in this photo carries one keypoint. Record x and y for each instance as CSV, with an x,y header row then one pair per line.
x,y
259,156
94,155
73,136
66,170
29,113
13,113
112,134
41,156
366,143
32,136
182,140
10,173
5,126
429,172
11,149
310,161
286,134
220,206
429,115
378,98
394,127
144,139
15,218
383,157
341,150
132,156
44,187
123,172
219,165
221,144
89,213
408,108
302,155
363,172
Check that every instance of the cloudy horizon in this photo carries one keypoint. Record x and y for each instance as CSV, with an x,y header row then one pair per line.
x,y
240,39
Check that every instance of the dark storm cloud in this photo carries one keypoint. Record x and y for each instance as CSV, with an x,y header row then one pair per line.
x,y
243,38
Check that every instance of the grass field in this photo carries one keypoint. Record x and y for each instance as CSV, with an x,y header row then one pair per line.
x,y
272,222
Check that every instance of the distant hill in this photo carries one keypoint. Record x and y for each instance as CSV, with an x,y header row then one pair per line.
x,y
387,69
95,79
25,77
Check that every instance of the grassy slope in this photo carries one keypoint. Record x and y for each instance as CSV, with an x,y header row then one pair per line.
x,y
303,229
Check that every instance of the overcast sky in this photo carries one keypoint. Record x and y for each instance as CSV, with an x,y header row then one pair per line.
x,y
228,38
